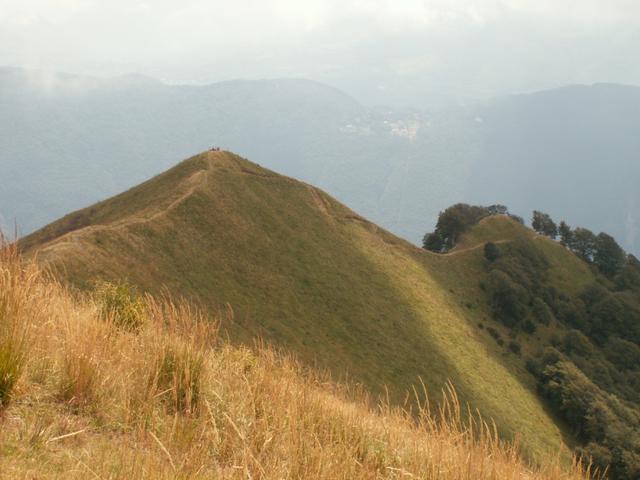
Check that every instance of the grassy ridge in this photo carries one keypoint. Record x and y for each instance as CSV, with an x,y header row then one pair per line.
x,y
305,273
169,399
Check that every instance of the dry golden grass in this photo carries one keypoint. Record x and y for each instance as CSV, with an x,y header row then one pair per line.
x,y
171,399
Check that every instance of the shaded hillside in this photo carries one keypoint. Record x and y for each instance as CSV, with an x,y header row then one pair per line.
x,y
305,273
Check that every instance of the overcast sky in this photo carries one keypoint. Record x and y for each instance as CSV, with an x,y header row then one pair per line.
x,y
407,52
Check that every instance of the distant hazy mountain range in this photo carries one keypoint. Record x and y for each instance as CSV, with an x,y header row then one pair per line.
x,y
67,141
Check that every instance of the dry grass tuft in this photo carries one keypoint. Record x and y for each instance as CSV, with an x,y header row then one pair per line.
x,y
119,303
14,303
177,376
169,399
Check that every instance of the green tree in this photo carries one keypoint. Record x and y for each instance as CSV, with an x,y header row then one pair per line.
x,y
544,225
629,277
575,342
508,299
536,221
565,232
541,311
433,242
583,243
457,219
608,256
498,209
622,353
491,251
452,223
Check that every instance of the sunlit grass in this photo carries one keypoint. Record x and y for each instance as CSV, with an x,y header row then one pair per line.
x,y
172,399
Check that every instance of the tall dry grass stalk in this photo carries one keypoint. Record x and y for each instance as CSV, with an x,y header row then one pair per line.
x,y
169,399
14,305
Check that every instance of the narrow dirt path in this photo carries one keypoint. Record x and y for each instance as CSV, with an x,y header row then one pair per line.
x,y
320,202
475,247
193,181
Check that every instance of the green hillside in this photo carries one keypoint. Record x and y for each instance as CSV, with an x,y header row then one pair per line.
x,y
84,394
570,309
289,264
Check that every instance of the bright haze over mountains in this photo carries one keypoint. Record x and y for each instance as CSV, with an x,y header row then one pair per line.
x,y
414,53
297,86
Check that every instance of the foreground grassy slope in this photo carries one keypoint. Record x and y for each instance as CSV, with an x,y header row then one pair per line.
x,y
291,265
82,396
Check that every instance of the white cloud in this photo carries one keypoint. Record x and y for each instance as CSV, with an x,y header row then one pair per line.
x,y
466,46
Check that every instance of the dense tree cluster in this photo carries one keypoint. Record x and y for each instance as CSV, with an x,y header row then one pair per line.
x,y
456,220
516,286
608,427
591,375
566,234
600,250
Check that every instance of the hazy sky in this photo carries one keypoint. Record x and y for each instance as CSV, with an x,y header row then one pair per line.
x,y
411,52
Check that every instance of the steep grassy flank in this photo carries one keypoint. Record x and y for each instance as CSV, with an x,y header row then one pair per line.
x,y
304,272
171,400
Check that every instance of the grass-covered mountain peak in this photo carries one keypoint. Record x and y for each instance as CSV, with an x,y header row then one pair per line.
x,y
290,265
